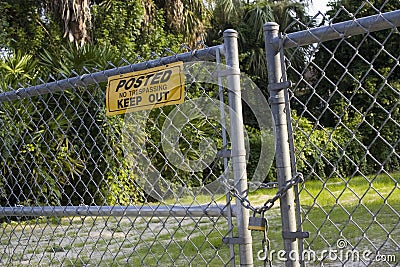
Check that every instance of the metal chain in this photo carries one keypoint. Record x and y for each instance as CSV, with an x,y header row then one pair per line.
x,y
266,244
263,254
245,202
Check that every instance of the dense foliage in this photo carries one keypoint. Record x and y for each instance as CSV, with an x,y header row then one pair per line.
x,y
355,90
38,40
72,159
61,148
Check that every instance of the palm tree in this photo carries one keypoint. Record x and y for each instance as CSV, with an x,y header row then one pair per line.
x,y
190,18
249,18
75,16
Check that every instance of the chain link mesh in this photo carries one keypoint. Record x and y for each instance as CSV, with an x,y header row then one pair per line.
x,y
72,194
345,115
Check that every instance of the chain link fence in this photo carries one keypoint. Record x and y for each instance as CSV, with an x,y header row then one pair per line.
x,y
79,188
154,187
344,119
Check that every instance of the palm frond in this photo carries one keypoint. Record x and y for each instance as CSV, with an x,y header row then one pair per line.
x,y
17,68
257,15
229,9
77,58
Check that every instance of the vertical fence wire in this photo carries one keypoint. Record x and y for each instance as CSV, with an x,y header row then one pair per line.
x,y
225,159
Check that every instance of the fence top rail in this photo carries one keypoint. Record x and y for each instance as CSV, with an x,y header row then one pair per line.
x,y
348,28
204,54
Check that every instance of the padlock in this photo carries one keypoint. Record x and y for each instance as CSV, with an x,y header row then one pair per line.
x,y
257,223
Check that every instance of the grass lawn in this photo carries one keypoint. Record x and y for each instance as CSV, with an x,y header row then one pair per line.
x,y
362,211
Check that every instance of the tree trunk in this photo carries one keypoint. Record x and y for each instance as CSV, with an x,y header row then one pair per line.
x,y
76,18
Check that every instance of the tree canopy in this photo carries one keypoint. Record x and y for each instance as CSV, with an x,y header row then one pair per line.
x,y
355,90
59,38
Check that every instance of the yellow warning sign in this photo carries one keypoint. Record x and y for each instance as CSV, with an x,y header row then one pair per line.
x,y
147,89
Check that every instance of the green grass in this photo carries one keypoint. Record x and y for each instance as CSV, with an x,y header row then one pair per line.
x,y
199,249
364,211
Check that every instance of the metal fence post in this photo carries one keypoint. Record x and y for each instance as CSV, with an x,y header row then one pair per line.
x,y
277,87
238,154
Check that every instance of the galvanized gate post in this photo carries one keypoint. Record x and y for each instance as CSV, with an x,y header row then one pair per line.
x,y
277,87
238,154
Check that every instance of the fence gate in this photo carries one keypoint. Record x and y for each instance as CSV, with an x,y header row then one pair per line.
x,y
344,129
150,187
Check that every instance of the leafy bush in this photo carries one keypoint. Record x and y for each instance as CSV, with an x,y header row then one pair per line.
x,y
329,152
